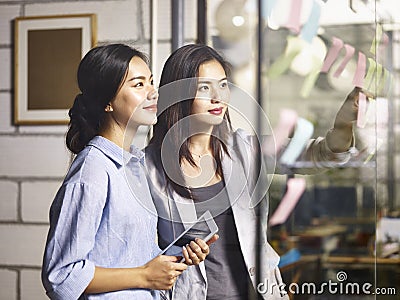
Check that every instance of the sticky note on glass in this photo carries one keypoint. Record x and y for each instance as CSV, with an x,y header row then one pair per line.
x,y
311,78
376,84
267,8
362,110
370,73
348,55
303,132
310,29
331,56
293,47
358,79
377,41
287,122
293,22
295,188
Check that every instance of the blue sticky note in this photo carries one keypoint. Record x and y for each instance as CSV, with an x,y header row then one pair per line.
x,y
310,29
302,134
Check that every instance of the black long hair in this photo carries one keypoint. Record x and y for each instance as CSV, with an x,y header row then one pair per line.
x,y
100,75
184,63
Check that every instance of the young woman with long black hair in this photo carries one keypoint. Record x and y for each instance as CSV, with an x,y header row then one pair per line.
x,y
102,238
197,162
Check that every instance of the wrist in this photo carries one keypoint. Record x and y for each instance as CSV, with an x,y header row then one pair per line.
x,y
141,276
340,140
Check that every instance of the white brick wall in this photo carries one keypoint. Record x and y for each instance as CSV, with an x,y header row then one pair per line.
x,y
33,156
36,198
116,20
5,116
34,159
22,244
60,129
5,70
7,14
8,284
9,201
31,285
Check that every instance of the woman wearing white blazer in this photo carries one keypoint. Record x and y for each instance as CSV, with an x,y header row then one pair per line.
x,y
197,162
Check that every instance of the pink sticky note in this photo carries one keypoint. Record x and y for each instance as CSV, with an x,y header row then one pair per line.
x,y
358,79
362,110
349,54
385,42
295,188
333,53
287,121
293,22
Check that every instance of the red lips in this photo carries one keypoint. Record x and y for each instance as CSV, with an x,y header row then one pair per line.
x,y
151,107
216,111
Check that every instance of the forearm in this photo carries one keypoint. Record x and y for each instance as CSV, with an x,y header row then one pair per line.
x,y
115,279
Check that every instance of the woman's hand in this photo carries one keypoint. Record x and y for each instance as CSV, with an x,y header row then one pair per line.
x,y
340,137
161,272
197,250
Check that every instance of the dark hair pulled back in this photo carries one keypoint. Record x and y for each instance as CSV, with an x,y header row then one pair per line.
x,y
100,75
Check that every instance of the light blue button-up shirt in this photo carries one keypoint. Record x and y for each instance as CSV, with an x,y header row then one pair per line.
x,y
103,216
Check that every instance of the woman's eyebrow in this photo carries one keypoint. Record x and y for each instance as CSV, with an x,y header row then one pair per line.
x,y
211,80
140,77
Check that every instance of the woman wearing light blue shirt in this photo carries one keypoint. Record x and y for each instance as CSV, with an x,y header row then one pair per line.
x,y
102,238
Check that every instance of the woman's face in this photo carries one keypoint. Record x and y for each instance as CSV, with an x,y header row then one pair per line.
x,y
136,101
212,94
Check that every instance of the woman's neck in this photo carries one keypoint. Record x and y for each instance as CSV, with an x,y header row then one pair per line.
x,y
200,143
120,136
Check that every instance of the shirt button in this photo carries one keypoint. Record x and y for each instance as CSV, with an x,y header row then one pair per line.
x,y
252,270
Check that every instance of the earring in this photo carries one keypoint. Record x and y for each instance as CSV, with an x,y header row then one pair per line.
x,y
109,108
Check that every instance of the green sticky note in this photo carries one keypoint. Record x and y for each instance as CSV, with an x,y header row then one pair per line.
x,y
375,85
377,38
293,48
370,73
311,78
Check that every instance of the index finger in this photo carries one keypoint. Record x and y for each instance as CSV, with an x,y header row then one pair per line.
x,y
367,93
180,266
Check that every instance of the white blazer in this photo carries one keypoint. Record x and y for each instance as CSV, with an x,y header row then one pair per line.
x,y
177,213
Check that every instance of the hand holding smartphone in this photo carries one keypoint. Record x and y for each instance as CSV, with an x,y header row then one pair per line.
x,y
204,228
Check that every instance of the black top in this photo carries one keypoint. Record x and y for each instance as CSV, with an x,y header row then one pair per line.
x,y
227,274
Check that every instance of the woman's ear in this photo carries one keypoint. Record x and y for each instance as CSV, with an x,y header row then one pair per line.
x,y
109,108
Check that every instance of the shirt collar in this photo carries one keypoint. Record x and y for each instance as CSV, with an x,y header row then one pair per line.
x,y
118,155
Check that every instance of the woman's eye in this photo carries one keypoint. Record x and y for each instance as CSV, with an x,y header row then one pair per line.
x,y
203,88
224,84
139,84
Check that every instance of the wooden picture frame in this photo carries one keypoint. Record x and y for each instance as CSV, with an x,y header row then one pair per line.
x,y
47,53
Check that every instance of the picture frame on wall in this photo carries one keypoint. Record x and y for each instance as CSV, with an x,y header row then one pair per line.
x,y
47,53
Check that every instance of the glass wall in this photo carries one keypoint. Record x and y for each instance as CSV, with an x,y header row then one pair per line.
x,y
345,227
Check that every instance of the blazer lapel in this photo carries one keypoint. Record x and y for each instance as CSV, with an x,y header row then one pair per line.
x,y
236,187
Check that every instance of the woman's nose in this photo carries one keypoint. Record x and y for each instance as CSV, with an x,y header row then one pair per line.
x,y
215,96
215,100
152,94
